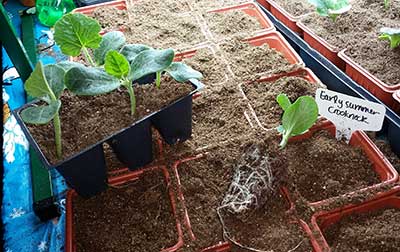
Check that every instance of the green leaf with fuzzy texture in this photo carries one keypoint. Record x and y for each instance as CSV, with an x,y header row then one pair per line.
x,y
283,101
182,72
66,65
90,81
114,40
116,64
150,61
40,114
130,51
36,85
299,117
55,78
75,31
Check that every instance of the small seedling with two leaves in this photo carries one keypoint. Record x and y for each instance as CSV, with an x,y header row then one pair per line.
x,y
46,84
392,35
331,8
298,117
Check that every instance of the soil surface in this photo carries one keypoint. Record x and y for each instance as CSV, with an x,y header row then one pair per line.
x,y
262,97
358,31
202,197
173,6
376,231
98,117
218,116
321,167
210,65
213,4
267,228
111,18
247,61
296,7
144,219
228,23
162,29
384,146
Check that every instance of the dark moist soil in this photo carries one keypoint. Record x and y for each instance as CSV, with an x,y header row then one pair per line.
x,y
161,29
246,60
203,196
296,7
267,228
112,162
87,120
111,18
384,146
376,231
358,31
204,183
218,116
136,217
262,97
210,65
228,23
321,167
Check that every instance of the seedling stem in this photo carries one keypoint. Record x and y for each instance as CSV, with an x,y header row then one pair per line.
x,y
128,84
87,56
158,79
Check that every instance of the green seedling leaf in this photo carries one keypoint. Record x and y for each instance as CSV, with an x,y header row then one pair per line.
x,y
386,3
36,85
114,40
392,35
130,51
150,61
283,101
55,78
41,114
66,65
90,81
298,118
331,8
75,31
116,64
182,72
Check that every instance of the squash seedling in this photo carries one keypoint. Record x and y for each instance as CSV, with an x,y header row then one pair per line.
x,y
297,118
121,68
75,33
392,35
46,83
331,8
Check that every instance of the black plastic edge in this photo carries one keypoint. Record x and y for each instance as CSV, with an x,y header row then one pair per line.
x,y
46,209
16,112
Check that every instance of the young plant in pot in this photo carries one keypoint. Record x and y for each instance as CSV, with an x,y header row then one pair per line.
x,y
115,64
255,181
392,35
331,8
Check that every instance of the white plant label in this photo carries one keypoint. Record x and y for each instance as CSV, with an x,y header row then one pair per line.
x,y
349,113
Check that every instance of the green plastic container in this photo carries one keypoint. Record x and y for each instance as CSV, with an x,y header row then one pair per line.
x,y
49,11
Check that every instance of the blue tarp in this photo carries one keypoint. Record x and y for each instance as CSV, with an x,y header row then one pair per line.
x,y
23,231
